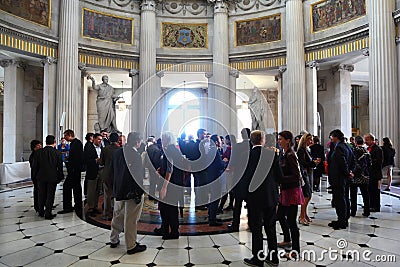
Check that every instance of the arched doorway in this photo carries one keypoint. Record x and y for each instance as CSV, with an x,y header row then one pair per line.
x,y
183,112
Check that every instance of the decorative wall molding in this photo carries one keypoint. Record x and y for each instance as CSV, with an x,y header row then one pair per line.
x,y
190,67
27,43
337,50
267,63
183,6
246,5
108,60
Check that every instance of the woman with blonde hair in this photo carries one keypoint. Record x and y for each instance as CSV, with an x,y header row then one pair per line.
x,y
307,164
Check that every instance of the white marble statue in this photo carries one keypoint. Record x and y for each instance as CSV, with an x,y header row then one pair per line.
x,y
256,106
105,105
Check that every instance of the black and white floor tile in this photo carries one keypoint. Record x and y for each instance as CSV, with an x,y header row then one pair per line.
x,y
28,240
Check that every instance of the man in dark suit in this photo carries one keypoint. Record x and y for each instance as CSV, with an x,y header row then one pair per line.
x,y
35,146
152,163
73,180
260,180
128,194
197,155
375,172
107,176
341,165
48,169
91,158
239,159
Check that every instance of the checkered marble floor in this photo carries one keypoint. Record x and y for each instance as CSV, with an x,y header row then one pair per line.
x,y
27,240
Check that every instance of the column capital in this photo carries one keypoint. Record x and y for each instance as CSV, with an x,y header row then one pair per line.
x,y
220,6
8,62
82,67
286,1
344,67
208,75
48,60
365,52
160,73
148,5
234,73
282,69
312,64
133,72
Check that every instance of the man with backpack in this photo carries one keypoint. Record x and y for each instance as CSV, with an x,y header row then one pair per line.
x,y
361,177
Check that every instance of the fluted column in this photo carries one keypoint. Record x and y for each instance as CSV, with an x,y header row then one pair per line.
x,y
342,99
68,92
383,92
312,100
294,97
233,75
14,74
204,107
148,93
134,74
49,96
210,103
85,97
220,67
279,79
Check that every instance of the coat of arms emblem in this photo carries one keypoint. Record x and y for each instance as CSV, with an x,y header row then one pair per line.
x,y
184,37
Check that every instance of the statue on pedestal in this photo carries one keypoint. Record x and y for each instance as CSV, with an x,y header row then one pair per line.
x,y
256,107
105,105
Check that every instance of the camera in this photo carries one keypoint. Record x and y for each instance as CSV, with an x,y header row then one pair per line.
x,y
135,196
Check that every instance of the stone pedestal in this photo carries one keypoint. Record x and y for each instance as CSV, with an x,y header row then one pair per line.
x,y
13,129
311,97
49,96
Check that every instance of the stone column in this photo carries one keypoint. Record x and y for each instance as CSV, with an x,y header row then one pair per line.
x,y
234,75
210,110
160,104
147,69
383,93
281,111
134,74
203,107
311,97
84,85
68,92
221,68
294,97
14,74
342,100
49,96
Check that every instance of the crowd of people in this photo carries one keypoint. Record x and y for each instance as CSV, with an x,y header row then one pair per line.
x,y
272,174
